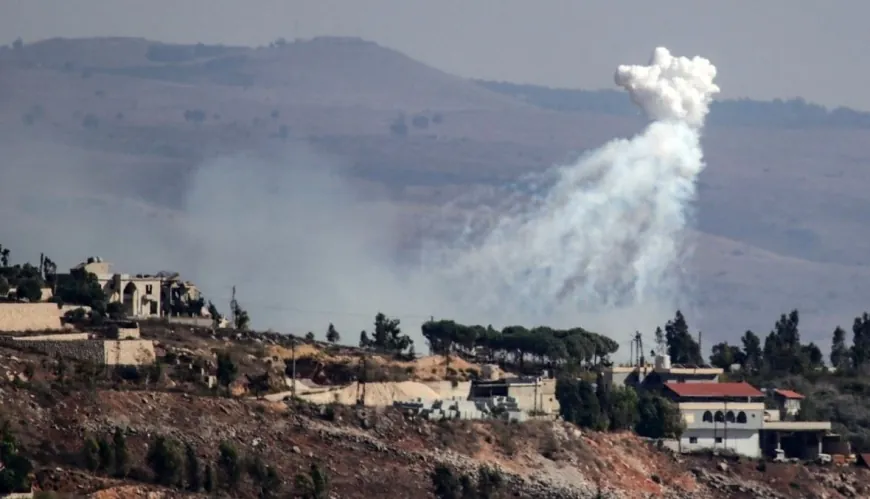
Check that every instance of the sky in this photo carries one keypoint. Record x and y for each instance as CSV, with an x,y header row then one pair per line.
x,y
764,50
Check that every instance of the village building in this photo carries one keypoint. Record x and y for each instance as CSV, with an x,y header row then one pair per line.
x,y
719,415
654,376
781,435
788,403
145,295
535,395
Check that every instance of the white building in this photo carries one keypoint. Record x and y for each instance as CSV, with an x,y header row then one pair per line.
x,y
719,416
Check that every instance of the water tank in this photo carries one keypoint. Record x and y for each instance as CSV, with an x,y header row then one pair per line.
x,y
663,362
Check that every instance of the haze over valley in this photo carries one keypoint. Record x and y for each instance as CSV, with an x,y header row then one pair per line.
x,y
310,174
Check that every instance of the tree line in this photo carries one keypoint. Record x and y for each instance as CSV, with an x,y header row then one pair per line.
x,y
517,343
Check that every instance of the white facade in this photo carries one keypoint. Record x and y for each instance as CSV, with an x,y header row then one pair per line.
x,y
743,442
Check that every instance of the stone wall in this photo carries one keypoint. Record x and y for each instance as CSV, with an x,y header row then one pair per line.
x,y
109,352
17,495
29,317
85,350
54,337
128,352
190,321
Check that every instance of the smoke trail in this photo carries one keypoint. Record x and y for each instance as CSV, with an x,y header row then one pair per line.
x,y
604,242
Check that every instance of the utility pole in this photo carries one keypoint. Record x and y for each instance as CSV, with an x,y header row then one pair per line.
x,y
293,355
233,308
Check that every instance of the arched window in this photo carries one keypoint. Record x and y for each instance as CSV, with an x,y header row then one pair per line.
x,y
730,417
708,417
741,417
720,417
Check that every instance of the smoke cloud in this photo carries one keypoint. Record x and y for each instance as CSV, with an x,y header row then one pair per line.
x,y
603,242
599,244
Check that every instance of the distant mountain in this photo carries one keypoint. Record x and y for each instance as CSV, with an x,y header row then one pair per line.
x,y
324,71
778,113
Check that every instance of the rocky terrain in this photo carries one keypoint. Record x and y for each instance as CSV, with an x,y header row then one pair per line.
x,y
364,451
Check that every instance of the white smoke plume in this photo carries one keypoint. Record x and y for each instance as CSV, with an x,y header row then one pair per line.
x,y
604,246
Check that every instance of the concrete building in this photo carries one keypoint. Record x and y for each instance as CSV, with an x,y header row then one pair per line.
x,y
535,395
144,295
782,435
788,402
719,415
654,376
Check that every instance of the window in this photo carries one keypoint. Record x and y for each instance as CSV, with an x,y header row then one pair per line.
x,y
741,417
720,417
708,417
693,440
730,417
149,288
718,440
153,308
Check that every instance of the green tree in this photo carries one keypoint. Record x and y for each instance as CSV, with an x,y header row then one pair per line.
x,y
658,417
446,483
30,290
309,336
16,472
839,351
578,403
208,482
230,465
259,384
725,355
752,353
165,460
860,341
241,319
623,408
122,455
312,485
364,341
216,317
682,347
106,456
332,334
388,335
226,370
4,287
4,256
82,288
191,466
91,454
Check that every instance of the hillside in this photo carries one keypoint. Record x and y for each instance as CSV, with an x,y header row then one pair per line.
x,y
55,408
117,119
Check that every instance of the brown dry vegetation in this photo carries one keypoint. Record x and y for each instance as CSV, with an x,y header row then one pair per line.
x,y
366,452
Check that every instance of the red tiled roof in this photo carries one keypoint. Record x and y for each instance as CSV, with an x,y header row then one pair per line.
x,y
789,394
714,389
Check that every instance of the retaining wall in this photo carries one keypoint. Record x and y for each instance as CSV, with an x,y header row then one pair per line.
x,y
128,352
54,337
29,317
109,352
85,350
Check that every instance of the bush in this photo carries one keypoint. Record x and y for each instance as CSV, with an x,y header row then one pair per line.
x,y
15,476
165,460
229,464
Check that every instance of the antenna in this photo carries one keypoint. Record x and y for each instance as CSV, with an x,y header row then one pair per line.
x,y
233,305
